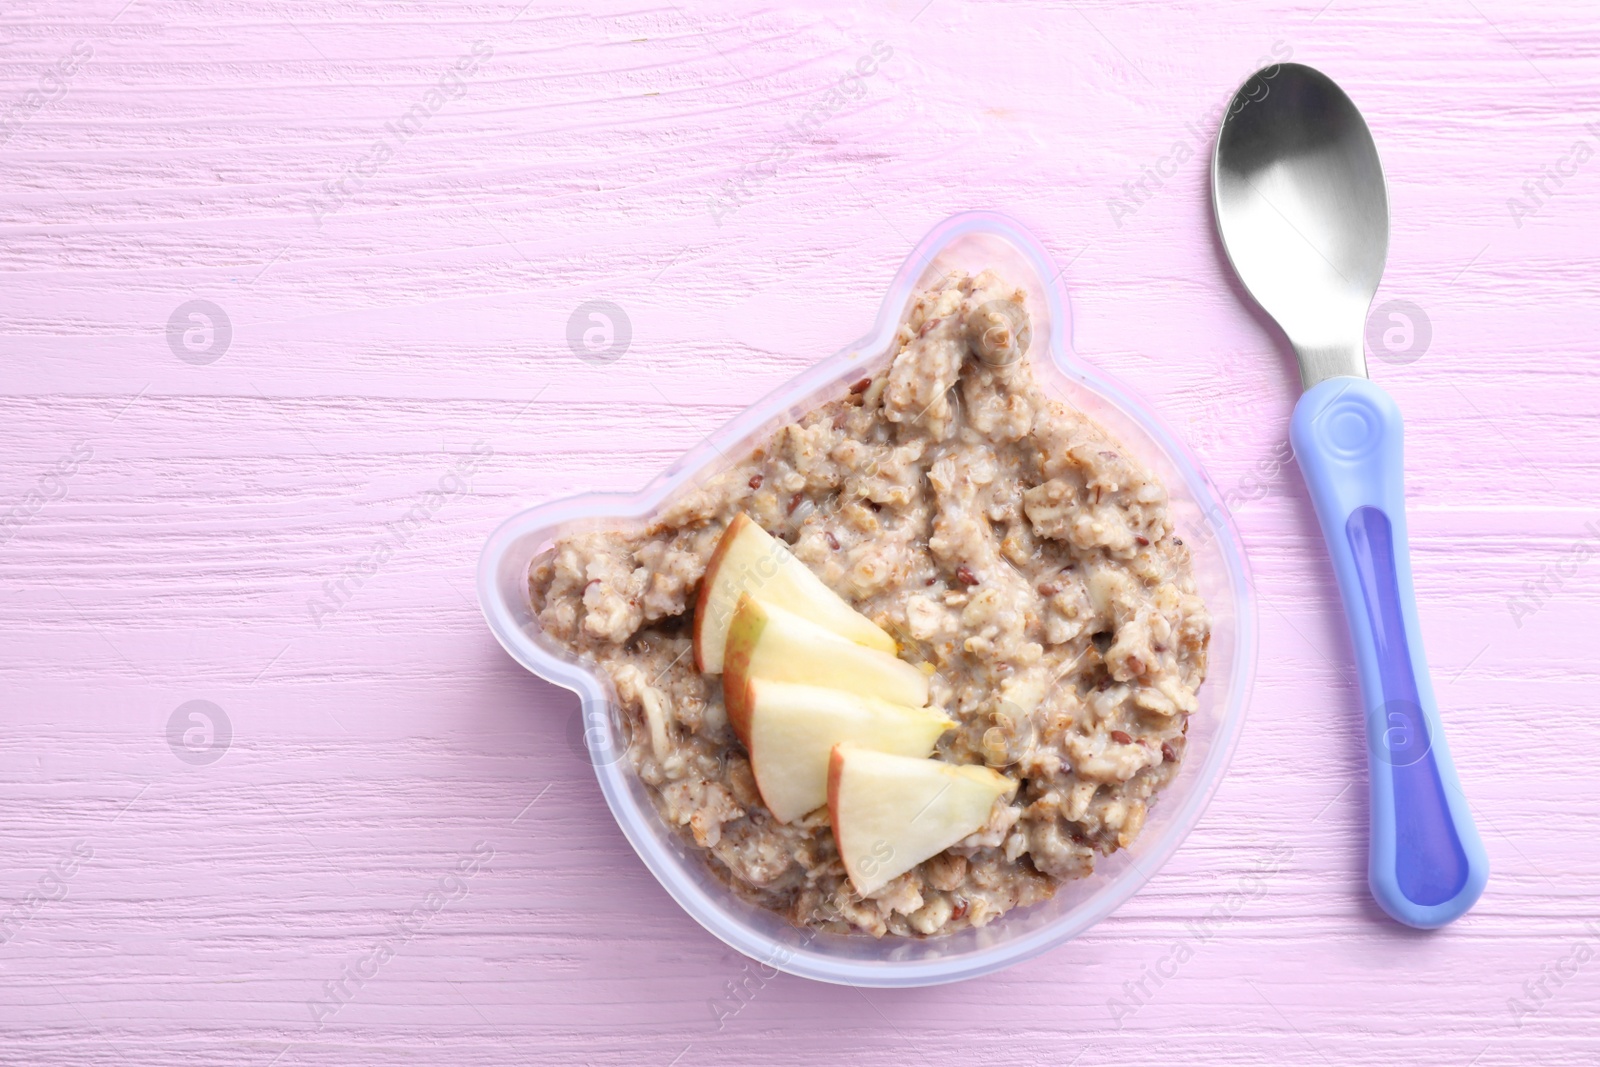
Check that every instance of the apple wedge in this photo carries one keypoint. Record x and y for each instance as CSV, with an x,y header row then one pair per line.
x,y
892,812
792,729
765,641
750,560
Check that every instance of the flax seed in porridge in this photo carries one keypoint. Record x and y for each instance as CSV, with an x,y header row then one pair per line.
x,y
1014,550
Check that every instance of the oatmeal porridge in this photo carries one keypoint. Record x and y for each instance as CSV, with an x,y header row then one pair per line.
x,y
1018,556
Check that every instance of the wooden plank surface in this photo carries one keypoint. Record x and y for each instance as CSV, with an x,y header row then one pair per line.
x,y
176,503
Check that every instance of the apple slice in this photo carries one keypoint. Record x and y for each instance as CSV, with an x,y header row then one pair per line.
x,y
792,729
892,812
765,641
750,560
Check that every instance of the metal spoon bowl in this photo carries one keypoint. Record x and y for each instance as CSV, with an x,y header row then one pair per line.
x,y
1300,199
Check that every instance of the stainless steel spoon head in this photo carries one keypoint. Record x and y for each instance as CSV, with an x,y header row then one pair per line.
x,y
1303,212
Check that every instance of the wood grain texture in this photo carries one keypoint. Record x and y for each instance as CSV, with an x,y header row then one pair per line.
x,y
383,328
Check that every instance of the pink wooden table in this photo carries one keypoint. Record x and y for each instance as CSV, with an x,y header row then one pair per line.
x,y
374,842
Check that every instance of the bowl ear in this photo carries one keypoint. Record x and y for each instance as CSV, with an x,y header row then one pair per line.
x,y
503,575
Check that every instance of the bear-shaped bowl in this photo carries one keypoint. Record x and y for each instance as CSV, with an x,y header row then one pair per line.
x,y
971,241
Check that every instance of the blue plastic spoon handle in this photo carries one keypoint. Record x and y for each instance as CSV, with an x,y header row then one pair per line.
x,y
1426,865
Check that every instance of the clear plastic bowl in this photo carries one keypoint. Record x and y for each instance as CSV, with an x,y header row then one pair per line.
x,y
970,241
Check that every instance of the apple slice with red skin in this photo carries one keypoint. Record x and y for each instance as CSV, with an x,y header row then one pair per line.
x,y
749,560
792,729
765,641
892,812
